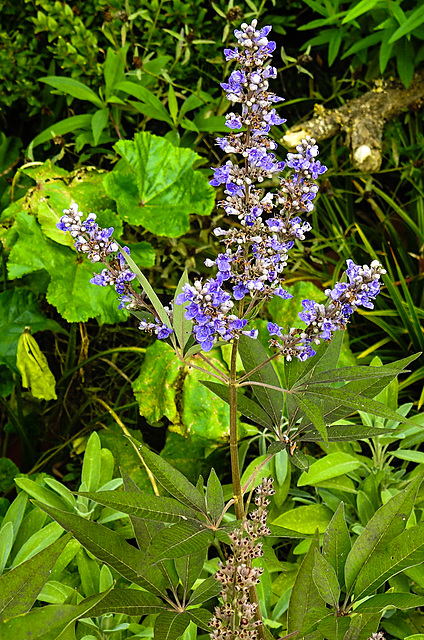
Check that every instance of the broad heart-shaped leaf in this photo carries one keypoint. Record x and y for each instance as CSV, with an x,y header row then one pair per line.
x,y
69,290
253,354
20,587
406,550
56,189
47,623
214,496
109,547
304,595
381,601
325,579
155,185
386,524
172,480
143,506
247,407
336,543
130,602
19,309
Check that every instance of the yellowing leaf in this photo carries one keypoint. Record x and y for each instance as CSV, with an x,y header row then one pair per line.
x,y
34,368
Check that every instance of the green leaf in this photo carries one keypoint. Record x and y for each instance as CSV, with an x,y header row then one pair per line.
x,y
387,522
206,590
305,519
410,456
330,466
145,95
313,413
6,542
304,595
345,433
73,88
200,617
406,550
34,369
109,547
253,354
37,542
405,55
362,626
214,496
61,128
189,568
69,290
20,587
179,540
46,623
90,474
172,480
245,406
41,493
336,543
325,579
159,371
171,625
414,20
113,70
155,185
355,402
19,309
344,374
143,506
172,104
130,602
98,123
182,326
359,9
403,601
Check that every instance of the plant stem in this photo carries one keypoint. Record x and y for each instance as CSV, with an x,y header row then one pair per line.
x,y
235,467
235,470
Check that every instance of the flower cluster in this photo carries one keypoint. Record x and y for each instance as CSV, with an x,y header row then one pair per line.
x,y
100,246
235,618
256,250
323,320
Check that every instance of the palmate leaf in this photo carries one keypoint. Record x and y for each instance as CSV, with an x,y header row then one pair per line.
x,y
344,433
253,354
109,547
177,541
336,543
247,407
20,587
387,522
130,602
47,623
171,479
143,506
189,568
304,595
405,551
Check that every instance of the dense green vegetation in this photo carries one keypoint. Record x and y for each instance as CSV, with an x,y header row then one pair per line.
x,y
116,106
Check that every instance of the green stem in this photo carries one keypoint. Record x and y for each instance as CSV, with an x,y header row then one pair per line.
x,y
235,467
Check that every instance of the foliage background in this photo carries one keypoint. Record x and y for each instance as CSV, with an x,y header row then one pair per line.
x,y
84,87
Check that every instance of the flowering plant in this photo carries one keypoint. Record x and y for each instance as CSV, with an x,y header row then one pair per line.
x,y
303,406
